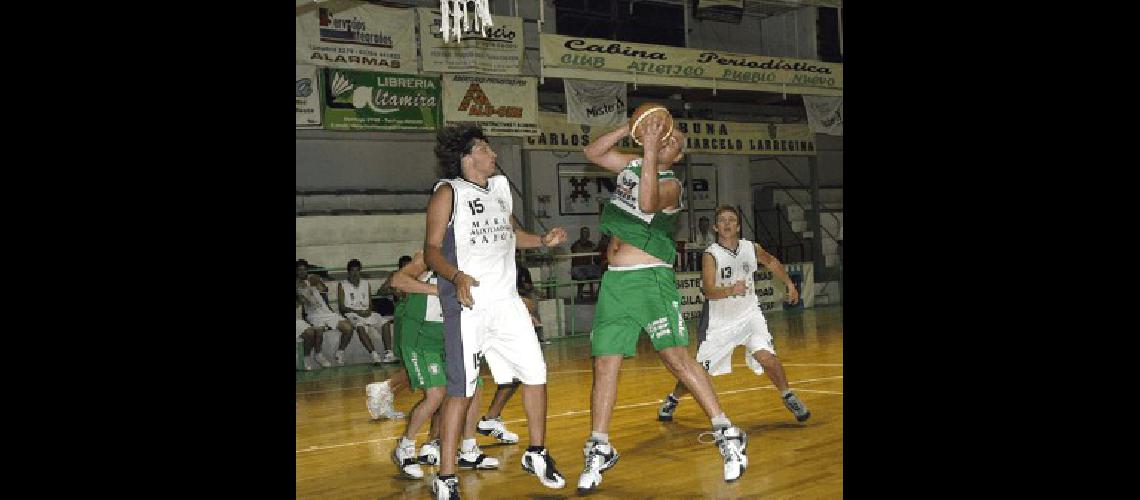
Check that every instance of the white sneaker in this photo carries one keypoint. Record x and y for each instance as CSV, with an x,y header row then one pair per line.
x,y
389,358
542,465
445,490
429,453
321,359
495,428
405,459
732,442
599,458
379,401
308,364
475,459
376,357
340,358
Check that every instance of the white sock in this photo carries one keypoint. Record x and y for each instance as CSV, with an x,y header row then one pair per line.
x,y
721,421
600,437
407,442
467,444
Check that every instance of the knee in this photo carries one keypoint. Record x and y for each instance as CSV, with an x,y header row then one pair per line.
x,y
765,357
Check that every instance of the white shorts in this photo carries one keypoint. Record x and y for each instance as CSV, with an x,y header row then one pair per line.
x,y
375,320
302,325
501,333
326,320
722,337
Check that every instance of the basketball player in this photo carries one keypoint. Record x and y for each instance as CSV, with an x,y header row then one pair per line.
x,y
309,290
422,338
380,395
731,314
354,299
311,338
638,292
470,243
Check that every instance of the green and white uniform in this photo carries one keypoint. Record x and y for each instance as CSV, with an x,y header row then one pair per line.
x,y
420,323
641,297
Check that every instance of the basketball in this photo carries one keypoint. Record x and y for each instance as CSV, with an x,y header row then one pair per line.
x,y
642,114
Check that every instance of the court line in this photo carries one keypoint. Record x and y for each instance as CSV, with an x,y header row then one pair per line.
x,y
587,411
662,367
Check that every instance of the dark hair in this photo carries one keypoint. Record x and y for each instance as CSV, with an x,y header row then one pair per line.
x,y
451,144
353,263
404,259
301,262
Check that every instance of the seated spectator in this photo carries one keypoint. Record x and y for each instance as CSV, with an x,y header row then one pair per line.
x,y
310,292
354,299
584,267
311,338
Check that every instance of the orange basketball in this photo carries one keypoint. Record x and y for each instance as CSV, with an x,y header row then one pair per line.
x,y
642,114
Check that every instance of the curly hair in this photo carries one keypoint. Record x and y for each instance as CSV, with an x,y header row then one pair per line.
x,y
451,144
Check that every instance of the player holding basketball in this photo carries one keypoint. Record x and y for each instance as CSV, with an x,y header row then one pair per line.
x,y
470,244
638,291
731,314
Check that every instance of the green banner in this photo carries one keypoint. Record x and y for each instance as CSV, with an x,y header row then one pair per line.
x,y
362,100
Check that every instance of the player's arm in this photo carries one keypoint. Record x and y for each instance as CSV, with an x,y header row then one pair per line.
x,y
772,263
405,280
340,304
708,281
438,214
602,152
527,239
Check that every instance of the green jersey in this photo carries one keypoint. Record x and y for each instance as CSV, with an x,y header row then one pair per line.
x,y
422,307
651,232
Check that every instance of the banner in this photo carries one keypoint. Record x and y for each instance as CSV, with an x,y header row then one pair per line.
x,y
598,104
701,137
359,100
771,293
608,60
499,53
502,105
355,35
825,114
308,97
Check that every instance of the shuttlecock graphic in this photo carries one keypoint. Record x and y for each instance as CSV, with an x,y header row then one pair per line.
x,y
340,84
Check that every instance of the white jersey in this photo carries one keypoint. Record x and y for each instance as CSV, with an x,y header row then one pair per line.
x,y
312,300
434,312
357,297
480,241
732,266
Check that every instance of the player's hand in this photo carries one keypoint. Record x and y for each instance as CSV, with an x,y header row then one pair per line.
x,y
463,284
365,313
793,294
555,237
739,288
314,280
651,135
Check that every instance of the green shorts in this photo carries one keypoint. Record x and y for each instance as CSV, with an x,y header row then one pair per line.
x,y
635,300
422,347
397,319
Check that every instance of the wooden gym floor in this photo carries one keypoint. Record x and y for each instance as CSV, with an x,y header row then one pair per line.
x,y
342,454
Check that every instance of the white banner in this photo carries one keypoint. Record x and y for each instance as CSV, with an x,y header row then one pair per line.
x,y
825,114
500,52
308,97
501,105
356,35
598,104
